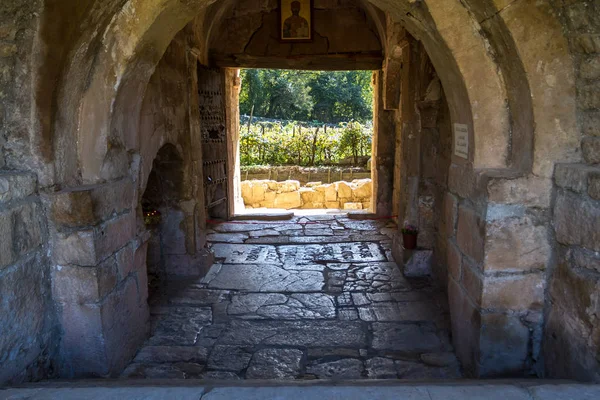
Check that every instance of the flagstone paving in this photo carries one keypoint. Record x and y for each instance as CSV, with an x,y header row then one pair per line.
x,y
311,298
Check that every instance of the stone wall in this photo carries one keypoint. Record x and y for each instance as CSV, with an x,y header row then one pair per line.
x,y
28,327
305,174
572,331
355,195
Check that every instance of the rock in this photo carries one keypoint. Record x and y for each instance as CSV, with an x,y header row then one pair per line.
x,y
405,337
353,206
288,200
419,264
330,193
313,184
363,189
344,191
228,358
312,196
347,368
381,368
275,364
288,186
171,354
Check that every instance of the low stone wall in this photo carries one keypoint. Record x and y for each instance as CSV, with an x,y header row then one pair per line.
x,y
305,174
355,195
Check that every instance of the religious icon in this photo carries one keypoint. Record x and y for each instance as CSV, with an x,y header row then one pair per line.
x,y
295,19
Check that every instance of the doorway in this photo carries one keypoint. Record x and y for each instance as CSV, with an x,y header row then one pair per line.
x,y
304,140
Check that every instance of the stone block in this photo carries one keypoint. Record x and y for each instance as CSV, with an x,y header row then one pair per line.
x,y
472,281
453,260
589,96
576,221
590,69
450,213
587,43
288,200
594,185
26,228
332,204
353,206
419,264
15,186
363,189
25,315
312,196
573,176
590,123
514,292
516,245
466,322
530,191
470,233
590,147
344,191
288,186
89,247
90,205
504,345
100,339
313,184
84,285
331,193
7,255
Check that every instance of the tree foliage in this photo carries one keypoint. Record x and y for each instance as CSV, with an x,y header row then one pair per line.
x,y
306,144
324,96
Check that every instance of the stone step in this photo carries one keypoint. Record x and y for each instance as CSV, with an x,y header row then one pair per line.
x,y
255,390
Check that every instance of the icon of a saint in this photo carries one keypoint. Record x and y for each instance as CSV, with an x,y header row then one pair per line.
x,y
295,26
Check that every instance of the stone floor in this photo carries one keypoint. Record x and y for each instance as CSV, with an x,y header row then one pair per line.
x,y
316,297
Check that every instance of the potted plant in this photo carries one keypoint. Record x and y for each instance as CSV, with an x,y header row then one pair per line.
x,y
409,236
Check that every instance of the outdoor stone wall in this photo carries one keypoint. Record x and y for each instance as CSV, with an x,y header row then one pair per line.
x,y
304,174
355,195
572,330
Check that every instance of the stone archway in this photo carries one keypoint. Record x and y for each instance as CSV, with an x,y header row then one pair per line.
x,y
488,74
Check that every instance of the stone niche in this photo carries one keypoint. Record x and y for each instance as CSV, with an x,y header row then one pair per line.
x,y
162,200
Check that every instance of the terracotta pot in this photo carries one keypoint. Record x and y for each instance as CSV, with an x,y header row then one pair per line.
x,y
409,240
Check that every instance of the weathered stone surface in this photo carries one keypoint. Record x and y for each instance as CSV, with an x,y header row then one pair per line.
x,y
347,368
594,185
574,176
171,354
504,341
576,221
78,285
87,248
530,191
90,205
278,306
419,264
439,359
228,358
516,244
288,200
275,364
405,337
591,147
25,315
26,228
15,186
381,368
516,292
450,213
470,233
266,278
180,326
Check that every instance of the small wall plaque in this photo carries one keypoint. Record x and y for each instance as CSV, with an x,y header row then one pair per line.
x,y
295,20
461,140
